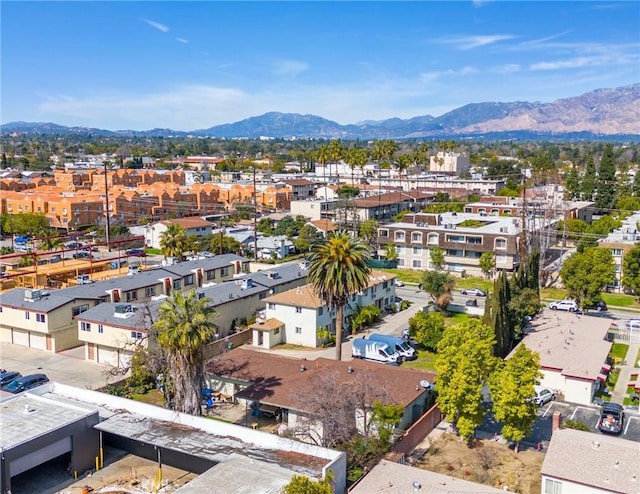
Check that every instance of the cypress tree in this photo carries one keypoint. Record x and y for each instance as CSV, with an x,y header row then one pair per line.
x,y
606,181
589,180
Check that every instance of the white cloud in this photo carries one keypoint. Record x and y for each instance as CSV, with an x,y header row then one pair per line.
x,y
474,41
580,62
157,25
182,40
289,67
508,68
438,74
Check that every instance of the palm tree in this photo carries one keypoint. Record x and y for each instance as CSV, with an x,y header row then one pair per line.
x,y
322,156
339,269
335,151
173,241
183,329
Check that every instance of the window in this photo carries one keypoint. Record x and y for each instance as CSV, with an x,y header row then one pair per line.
x,y
455,252
224,271
399,236
150,291
272,306
85,326
616,252
79,310
177,285
416,263
211,274
433,239
552,487
27,315
298,330
320,311
417,251
132,295
458,239
40,317
298,310
400,249
401,262
501,259
100,328
416,237
136,335
188,280
383,233
276,331
474,240
500,243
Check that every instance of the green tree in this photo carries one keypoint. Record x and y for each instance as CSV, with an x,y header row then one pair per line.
x,y
438,284
586,273
385,418
337,270
589,180
464,363
512,390
628,205
301,484
369,232
265,225
390,252
436,254
487,264
308,236
184,327
498,317
572,184
635,188
427,329
173,241
631,270
606,180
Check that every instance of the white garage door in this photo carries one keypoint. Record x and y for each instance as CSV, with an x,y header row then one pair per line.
x,y
36,458
38,341
19,337
107,356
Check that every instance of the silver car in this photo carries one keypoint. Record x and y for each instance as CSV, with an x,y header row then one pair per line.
x,y
568,305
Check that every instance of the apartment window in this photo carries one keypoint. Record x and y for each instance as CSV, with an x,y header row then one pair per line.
x,y
85,326
472,254
400,262
416,237
132,295
188,280
298,330
100,328
176,285
433,239
79,310
40,318
136,335
27,315
53,210
458,239
401,249
224,272
474,240
399,236
416,263
150,291
500,243
455,252
618,268
64,211
272,306
616,252
552,487
320,311
298,310
501,259
211,274
417,251
383,233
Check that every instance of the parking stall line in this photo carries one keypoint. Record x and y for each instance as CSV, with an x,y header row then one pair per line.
x,y
626,427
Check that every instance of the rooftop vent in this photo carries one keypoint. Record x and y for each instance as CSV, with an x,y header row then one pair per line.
x,y
123,311
32,295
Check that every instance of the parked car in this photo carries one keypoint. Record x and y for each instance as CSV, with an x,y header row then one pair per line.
x,y
632,324
568,305
472,302
399,282
474,291
7,376
25,383
74,245
600,306
136,253
543,395
83,254
611,418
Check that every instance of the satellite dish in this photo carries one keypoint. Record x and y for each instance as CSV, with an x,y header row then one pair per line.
x,y
425,384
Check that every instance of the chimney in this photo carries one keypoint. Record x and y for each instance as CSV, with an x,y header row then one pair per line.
x,y
556,421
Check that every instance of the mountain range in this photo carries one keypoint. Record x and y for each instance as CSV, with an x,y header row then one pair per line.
x,y
599,113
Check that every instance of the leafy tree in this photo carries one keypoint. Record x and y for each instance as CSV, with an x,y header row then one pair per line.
x,y
631,270
586,273
427,329
265,225
173,241
444,207
438,284
436,254
512,388
385,418
464,363
572,184
390,252
487,263
184,328
369,232
301,484
364,317
337,270
307,238
355,157
635,188
606,180
589,180
498,317
628,204
289,226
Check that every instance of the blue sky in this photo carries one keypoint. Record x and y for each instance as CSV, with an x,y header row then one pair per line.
x,y
191,65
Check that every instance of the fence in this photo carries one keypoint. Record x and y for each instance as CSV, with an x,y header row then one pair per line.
x,y
227,343
381,264
624,335
415,434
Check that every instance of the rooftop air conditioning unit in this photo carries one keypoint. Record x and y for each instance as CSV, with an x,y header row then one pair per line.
x,y
123,311
32,295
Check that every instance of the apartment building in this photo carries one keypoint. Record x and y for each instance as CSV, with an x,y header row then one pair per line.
x,y
449,163
192,226
621,241
464,238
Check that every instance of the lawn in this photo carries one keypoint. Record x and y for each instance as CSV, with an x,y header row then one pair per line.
x,y
406,275
619,351
636,362
620,300
456,318
425,361
153,397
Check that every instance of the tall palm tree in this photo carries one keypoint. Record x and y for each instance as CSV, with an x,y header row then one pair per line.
x,y
338,269
335,151
322,156
173,241
183,328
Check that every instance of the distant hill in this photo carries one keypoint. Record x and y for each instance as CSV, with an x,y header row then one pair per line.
x,y
603,112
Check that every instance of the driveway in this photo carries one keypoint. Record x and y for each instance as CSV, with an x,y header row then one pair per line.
x,y
67,367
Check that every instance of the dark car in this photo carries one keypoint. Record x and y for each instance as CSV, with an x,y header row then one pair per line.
x,y
136,253
600,306
472,302
83,254
611,418
7,376
25,383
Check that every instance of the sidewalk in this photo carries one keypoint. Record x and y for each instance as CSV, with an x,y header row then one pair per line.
x,y
626,369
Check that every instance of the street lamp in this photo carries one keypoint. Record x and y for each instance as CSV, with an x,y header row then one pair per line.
x,y
255,215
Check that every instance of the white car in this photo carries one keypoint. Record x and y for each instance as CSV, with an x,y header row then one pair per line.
x,y
568,305
399,282
633,324
474,291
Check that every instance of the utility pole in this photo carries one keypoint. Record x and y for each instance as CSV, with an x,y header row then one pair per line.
x,y
106,193
255,216
523,231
